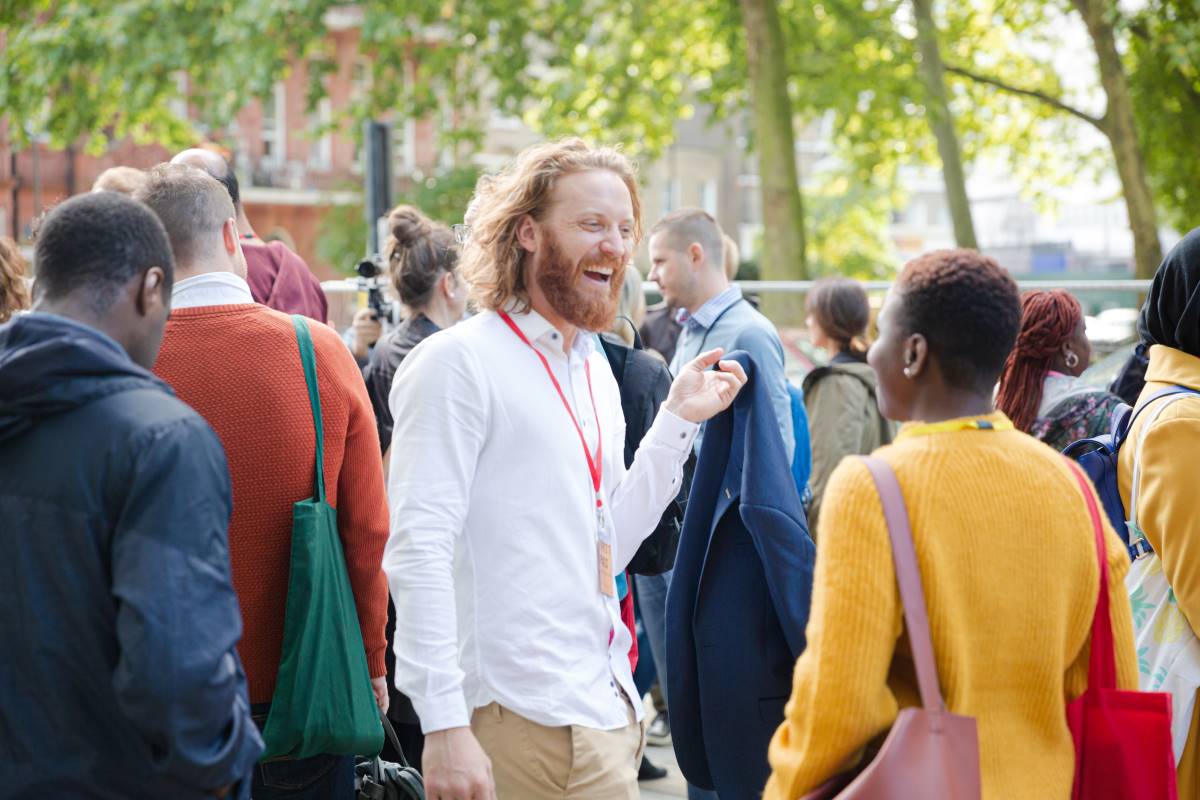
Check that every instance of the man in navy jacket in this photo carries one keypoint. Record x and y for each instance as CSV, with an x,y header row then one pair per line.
x,y
119,677
739,598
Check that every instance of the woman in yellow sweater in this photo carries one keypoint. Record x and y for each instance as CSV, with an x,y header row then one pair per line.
x,y
1004,542
1168,502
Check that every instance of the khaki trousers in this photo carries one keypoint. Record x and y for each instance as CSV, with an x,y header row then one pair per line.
x,y
536,762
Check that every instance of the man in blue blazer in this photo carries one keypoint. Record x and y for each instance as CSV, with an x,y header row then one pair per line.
x,y
739,598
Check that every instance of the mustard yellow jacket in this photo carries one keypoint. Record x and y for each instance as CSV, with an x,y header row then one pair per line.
x,y
1169,500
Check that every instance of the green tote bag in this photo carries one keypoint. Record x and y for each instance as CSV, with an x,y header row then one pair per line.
x,y
323,701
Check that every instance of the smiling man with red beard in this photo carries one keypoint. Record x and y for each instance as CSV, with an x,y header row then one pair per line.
x,y
512,509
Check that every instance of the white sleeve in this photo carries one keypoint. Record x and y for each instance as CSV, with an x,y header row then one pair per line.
x,y
652,481
440,427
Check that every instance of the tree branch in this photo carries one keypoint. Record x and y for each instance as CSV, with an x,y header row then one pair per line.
x,y
1042,97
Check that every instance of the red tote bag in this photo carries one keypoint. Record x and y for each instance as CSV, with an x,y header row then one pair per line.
x,y
1122,738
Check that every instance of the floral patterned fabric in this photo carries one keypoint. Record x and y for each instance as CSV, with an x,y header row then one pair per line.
x,y
1080,415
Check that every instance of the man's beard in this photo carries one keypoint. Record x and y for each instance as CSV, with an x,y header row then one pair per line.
x,y
560,281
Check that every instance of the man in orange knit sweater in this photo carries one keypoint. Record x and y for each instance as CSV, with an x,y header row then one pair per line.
x,y
237,363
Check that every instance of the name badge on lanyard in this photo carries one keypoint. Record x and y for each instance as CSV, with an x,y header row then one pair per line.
x,y
604,559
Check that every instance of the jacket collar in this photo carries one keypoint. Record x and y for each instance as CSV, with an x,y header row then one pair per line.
x,y
1168,365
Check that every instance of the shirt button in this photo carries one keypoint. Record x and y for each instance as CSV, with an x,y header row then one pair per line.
x,y
554,336
683,436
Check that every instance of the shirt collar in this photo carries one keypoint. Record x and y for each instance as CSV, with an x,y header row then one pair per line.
x,y
707,314
539,330
211,289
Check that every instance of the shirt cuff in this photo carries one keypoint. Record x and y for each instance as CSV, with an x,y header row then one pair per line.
x,y
448,710
672,431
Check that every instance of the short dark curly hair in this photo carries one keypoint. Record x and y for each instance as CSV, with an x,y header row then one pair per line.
x,y
95,244
969,310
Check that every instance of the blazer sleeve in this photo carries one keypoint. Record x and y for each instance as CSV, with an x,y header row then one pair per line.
x,y
840,696
178,677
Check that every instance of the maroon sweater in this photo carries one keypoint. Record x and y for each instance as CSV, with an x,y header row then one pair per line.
x,y
280,279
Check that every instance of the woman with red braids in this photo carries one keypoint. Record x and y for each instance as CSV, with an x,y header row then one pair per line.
x,y
1040,389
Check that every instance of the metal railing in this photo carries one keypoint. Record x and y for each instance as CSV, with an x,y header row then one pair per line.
x,y
343,299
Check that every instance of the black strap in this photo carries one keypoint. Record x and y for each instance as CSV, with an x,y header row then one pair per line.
x,y
394,739
708,330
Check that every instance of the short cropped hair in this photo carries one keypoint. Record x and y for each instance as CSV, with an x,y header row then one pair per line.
x,y
687,226
125,180
493,261
96,243
968,309
191,204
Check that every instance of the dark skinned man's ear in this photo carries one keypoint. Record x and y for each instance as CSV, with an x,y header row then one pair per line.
x,y
916,351
150,291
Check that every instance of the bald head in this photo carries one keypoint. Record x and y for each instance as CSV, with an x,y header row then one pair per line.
x,y
211,162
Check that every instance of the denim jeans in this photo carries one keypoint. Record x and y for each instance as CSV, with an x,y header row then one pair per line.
x,y
323,777
651,593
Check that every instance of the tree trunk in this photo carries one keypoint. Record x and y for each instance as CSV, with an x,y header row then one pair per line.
x,y
783,253
1119,127
938,109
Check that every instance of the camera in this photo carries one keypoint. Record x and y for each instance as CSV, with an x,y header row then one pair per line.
x,y
369,281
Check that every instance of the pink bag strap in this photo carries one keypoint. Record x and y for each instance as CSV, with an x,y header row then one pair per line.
x,y
908,577
1102,666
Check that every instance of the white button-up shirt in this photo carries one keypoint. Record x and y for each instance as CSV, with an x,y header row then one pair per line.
x,y
492,560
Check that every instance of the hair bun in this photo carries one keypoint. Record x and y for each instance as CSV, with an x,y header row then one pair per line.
x,y
408,226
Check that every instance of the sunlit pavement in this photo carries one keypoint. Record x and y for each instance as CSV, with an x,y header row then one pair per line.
x,y
669,787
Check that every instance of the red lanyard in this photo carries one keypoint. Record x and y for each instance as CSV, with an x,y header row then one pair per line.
x,y
595,465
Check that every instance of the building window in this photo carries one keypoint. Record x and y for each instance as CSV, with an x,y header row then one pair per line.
x,y
321,148
671,196
274,127
404,158
708,196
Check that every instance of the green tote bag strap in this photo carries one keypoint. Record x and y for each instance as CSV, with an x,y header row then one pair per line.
x,y
309,359
323,702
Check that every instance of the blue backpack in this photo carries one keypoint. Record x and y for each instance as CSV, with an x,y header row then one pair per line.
x,y
802,457
1097,457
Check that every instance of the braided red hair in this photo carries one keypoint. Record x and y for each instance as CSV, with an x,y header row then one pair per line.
x,y
1048,321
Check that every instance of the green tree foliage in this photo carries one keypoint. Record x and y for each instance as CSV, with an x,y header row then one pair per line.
x,y
1164,80
107,70
623,71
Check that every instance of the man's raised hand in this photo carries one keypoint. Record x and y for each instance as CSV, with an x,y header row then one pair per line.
x,y
699,393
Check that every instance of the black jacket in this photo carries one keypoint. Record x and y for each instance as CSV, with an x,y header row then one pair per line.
x,y
385,360
119,677
644,381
